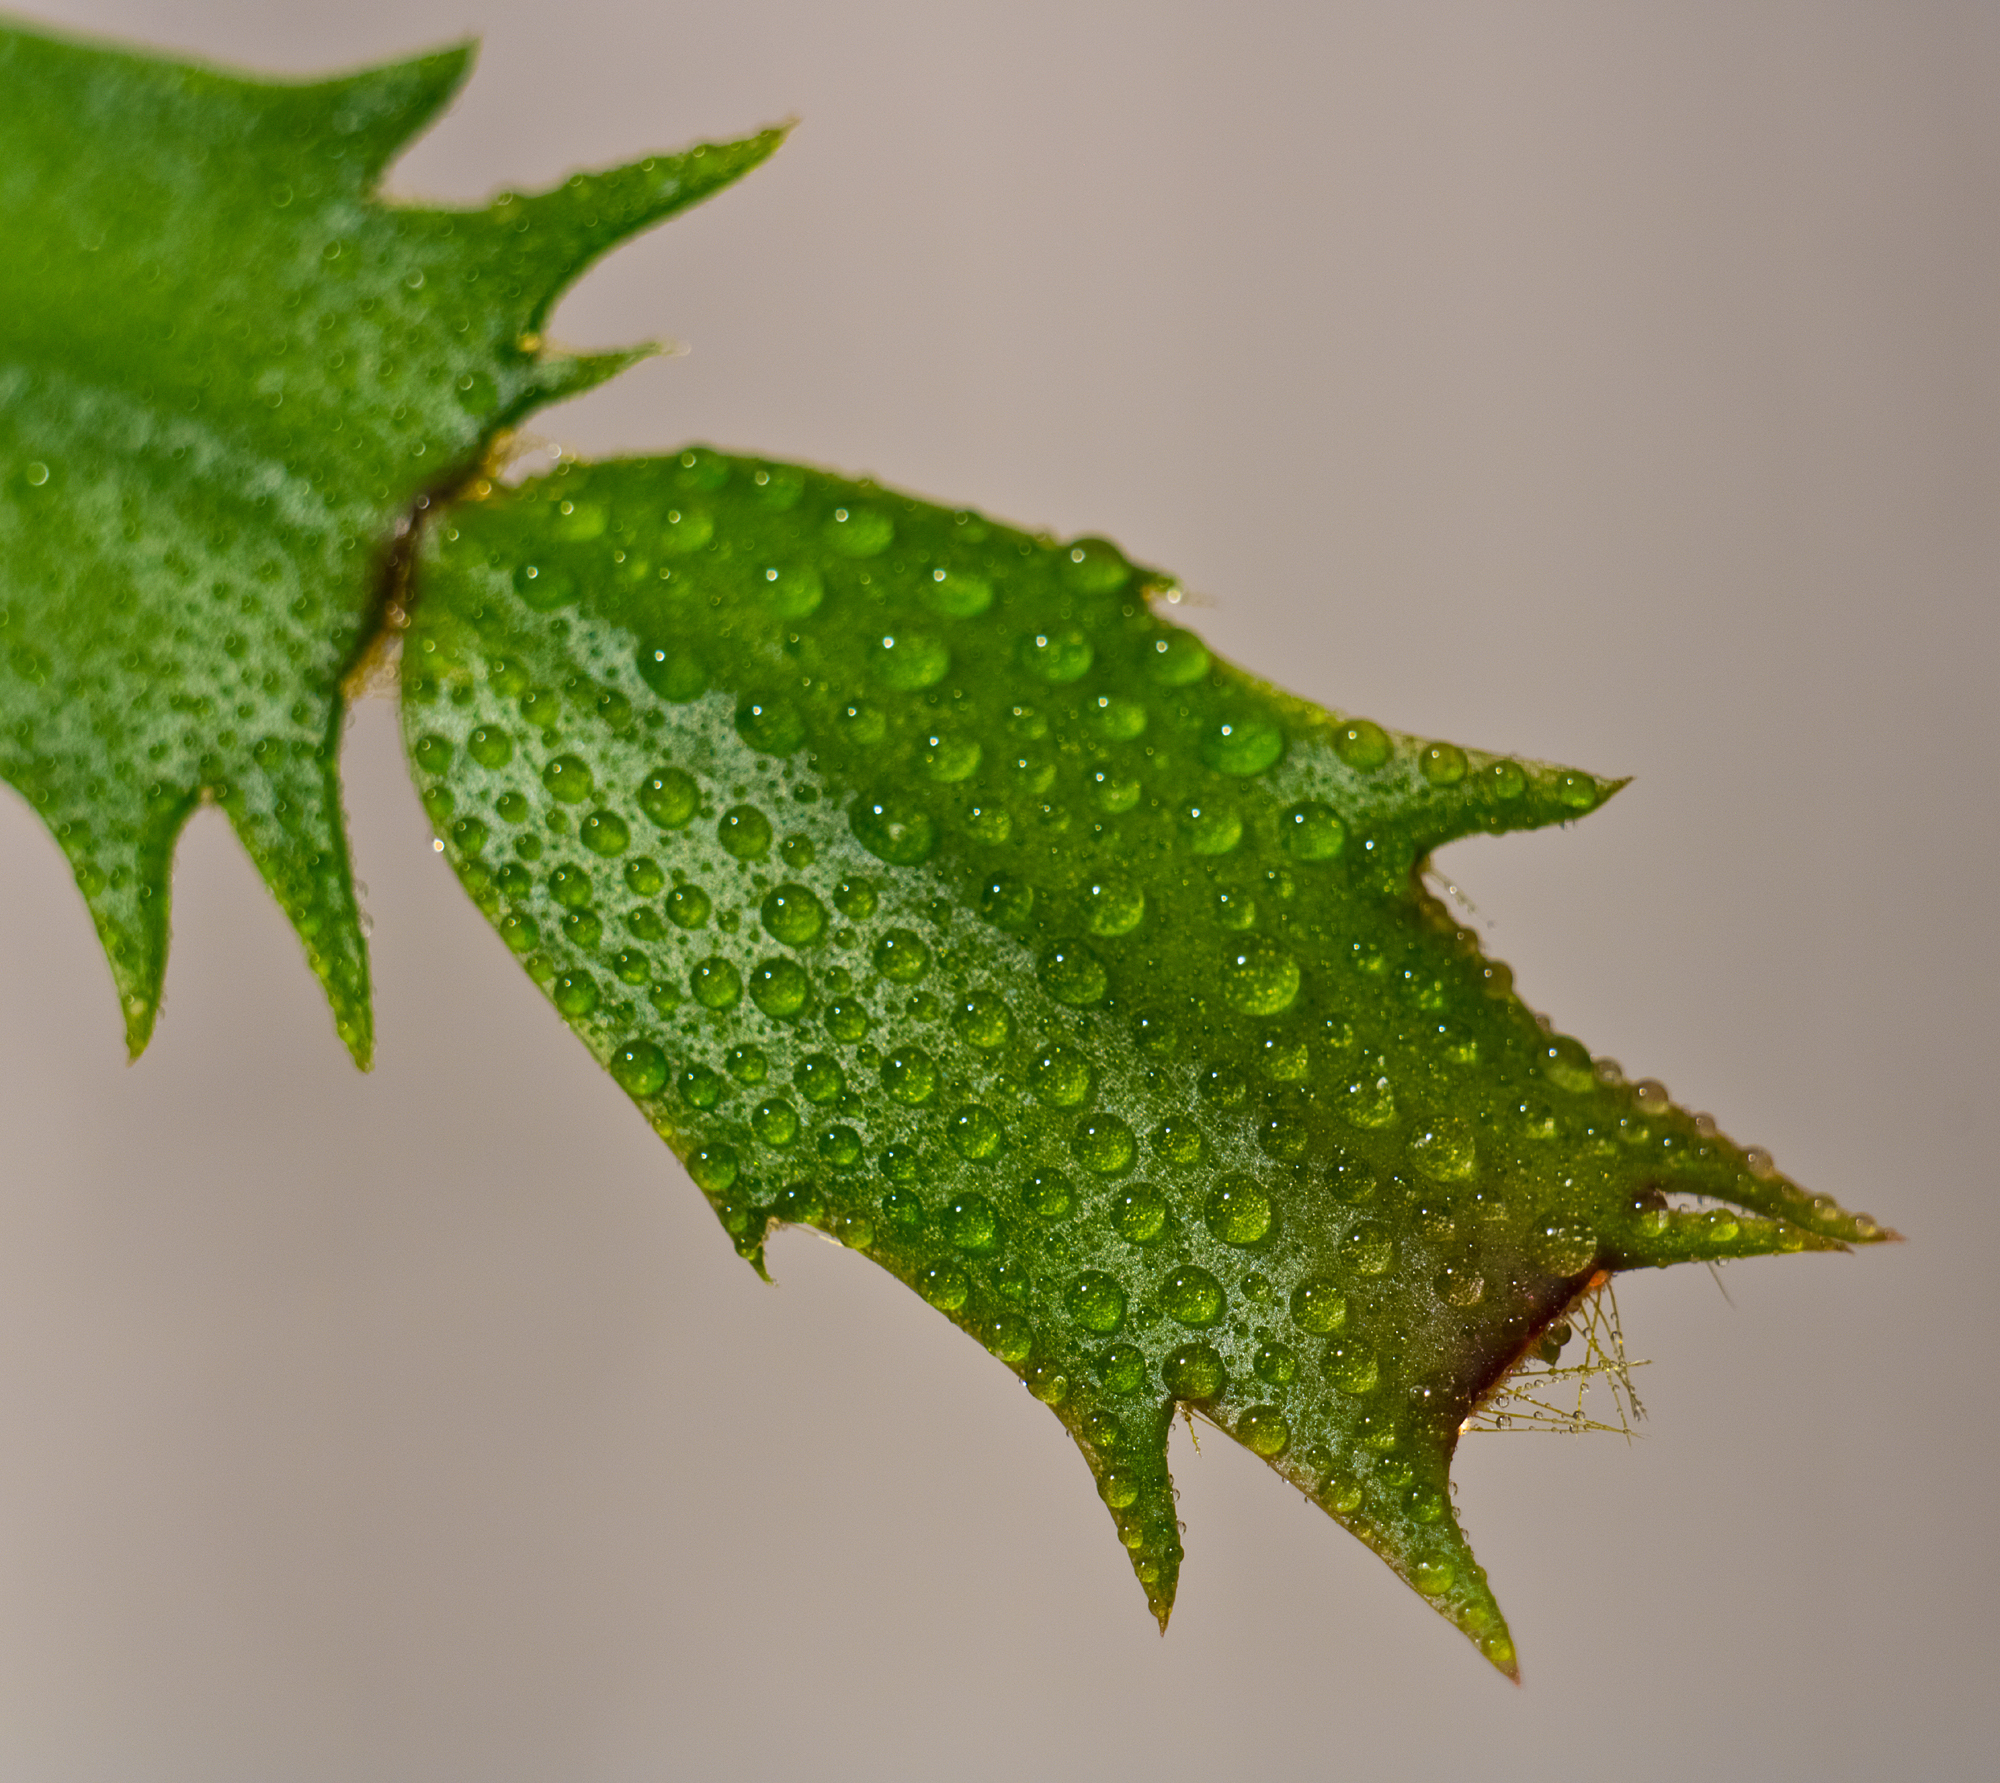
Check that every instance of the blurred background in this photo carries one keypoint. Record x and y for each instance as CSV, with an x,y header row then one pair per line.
x,y
1610,383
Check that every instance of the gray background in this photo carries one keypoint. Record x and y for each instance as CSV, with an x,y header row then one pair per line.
x,y
1609,382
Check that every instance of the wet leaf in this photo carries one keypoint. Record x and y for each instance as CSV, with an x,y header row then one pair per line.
x,y
924,884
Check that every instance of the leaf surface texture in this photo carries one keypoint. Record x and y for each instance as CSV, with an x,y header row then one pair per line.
x,y
924,884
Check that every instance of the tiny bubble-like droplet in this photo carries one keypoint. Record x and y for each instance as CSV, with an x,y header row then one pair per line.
x,y
1194,1371
1096,1302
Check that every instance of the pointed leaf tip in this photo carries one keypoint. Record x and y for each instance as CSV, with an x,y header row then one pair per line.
x,y
554,236
373,114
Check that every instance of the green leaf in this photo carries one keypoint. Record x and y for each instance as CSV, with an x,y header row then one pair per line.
x,y
229,375
922,884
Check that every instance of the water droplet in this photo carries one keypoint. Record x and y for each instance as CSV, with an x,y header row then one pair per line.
x,y
791,593
1242,746
1370,1248
639,1068
859,532
1362,745
1276,1363
839,1148
1578,791
1047,1381
780,987
713,1167
643,877
1434,1577
770,726
701,1087
901,957
1651,1095
982,1021
1758,1162
1072,974
1209,826
1192,1296
1177,1141
1095,566
1353,1368
792,915
956,594
570,887
1057,656
908,662
543,587
856,898
944,1285
1176,659
1566,1249
1445,1151
1319,1306
971,1224
604,832
800,1204
974,1132
910,1076
1259,979
433,754
1006,902
893,830
1113,905
1060,1076
1114,718
490,748
673,672
716,983
1103,1143
1238,1211
847,1020
670,798
819,1078
949,758
1120,1488
1566,1063
1008,1336
1139,1213
1263,1431
1122,1368
775,1122
1048,1195
1458,1284
36,475
688,906
1443,764
568,779
745,832
990,824
1096,1302
1193,1372
1506,779
686,531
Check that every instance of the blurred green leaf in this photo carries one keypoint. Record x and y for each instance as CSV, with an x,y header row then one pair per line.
x,y
230,374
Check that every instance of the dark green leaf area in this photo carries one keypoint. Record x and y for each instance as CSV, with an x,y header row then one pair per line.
x,y
925,884
229,373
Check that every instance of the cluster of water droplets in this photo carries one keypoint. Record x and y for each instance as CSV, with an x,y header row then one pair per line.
x,y
926,887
